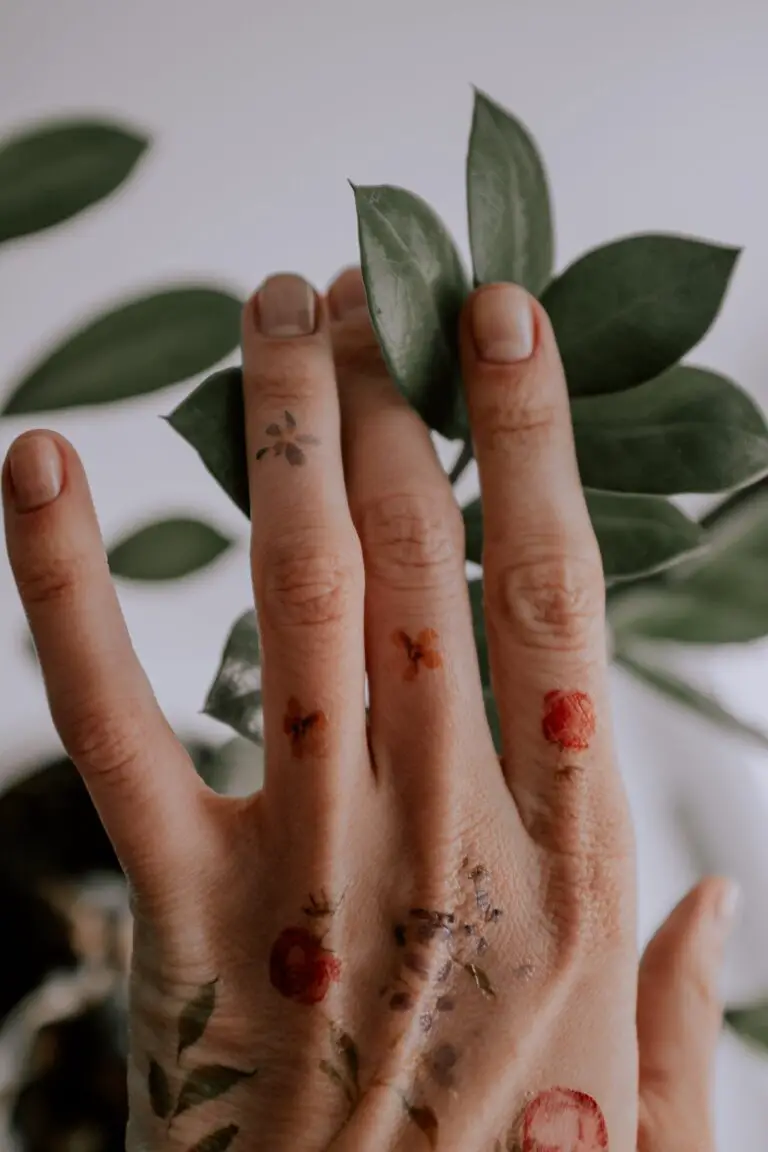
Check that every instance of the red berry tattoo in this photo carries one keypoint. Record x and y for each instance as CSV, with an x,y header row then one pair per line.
x,y
300,968
307,730
561,1120
569,719
420,651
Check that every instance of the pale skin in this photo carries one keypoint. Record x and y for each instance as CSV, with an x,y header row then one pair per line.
x,y
402,942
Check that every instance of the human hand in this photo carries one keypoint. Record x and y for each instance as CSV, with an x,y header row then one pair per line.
x,y
401,942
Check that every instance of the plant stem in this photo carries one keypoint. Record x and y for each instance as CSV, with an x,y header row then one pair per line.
x,y
462,460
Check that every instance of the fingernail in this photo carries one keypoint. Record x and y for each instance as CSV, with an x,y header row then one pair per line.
x,y
502,323
36,471
728,905
286,306
348,294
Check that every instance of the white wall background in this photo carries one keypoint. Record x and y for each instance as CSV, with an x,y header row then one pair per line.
x,y
650,116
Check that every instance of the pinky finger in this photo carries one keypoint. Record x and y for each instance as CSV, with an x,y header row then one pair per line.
x,y
138,774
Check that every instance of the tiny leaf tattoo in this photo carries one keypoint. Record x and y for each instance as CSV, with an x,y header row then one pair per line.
x,y
261,452
347,1049
207,1083
420,651
217,1141
307,731
333,1073
425,1119
290,420
481,978
160,1096
195,1016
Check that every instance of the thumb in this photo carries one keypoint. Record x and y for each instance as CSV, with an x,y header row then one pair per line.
x,y
679,1017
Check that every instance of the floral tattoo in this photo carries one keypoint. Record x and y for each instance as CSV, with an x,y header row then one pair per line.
x,y
421,651
307,731
287,441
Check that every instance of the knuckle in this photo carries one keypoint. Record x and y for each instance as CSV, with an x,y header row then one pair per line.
x,y
287,376
54,581
554,601
412,541
525,413
101,743
306,583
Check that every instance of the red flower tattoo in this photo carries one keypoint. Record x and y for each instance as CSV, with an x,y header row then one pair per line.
x,y
300,968
307,730
561,1120
287,441
569,719
419,651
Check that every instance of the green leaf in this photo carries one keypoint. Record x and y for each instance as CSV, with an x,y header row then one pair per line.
x,y
195,1015
416,286
235,695
167,550
689,430
702,703
160,1096
716,597
217,1141
637,534
212,420
626,312
751,1023
138,347
208,1083
50,173
510,218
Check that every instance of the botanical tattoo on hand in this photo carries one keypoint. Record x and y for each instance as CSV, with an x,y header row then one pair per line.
x,y
319,907
201,1084
301,968
307,731
343,1069
421,651
559,1120
569,719
287,441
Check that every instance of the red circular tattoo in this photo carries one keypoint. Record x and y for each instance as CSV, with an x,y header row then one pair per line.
x,y
301,968
561,1120
569,719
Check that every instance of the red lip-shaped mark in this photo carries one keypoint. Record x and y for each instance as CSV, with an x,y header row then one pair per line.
x,y
561,1120
569,719
300,968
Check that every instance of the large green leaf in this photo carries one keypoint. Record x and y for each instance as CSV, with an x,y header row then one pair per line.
x,y
167,550
637,534
52,172
718,597
212,420
235,695
510,218
751,1023
704,704
689,430
416,286
138,347
626,312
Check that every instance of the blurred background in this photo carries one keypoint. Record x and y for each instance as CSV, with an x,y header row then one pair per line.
x,y
650,117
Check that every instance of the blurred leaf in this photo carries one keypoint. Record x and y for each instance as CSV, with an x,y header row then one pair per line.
x,y
136,348
751,1023
217,1141
51,173
416,286
194,1016
235,695
208,1083
702,703
626,312
510,218
212,420
637,534
492,716
475,589
167,550
716,597
689,430
160,1096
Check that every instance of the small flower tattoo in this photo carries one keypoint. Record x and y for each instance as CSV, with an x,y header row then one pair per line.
x,y
420,651
306,730
569,719
301,968
287,441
